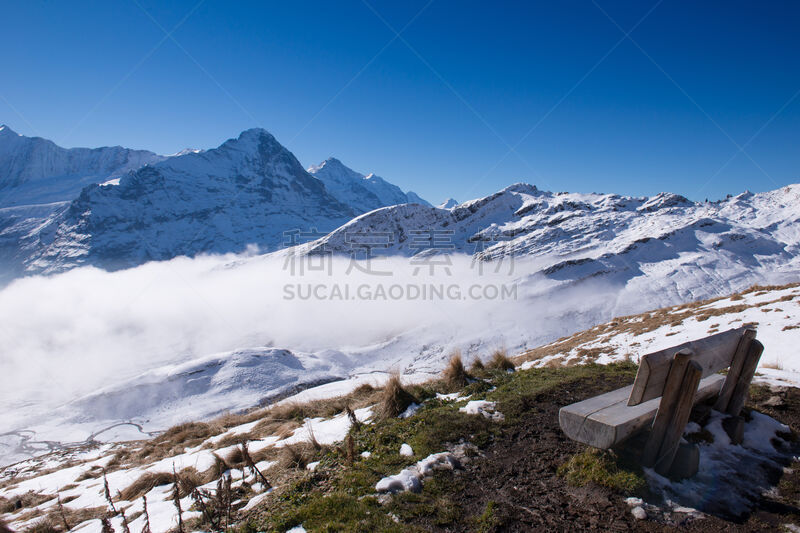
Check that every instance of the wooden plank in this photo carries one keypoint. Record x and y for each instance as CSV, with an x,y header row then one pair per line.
x,y
666,408
742,350
742,389
713,353
606,420
680,416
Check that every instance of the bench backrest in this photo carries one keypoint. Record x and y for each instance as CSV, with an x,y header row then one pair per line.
x,y
712,353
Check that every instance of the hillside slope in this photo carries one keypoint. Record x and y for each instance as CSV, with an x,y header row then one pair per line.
x,y
503,470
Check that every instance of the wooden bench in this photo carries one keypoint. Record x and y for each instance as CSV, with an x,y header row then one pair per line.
x,y
668,384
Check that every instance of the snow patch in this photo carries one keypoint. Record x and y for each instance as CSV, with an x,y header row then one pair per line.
x,y
483,407
411,478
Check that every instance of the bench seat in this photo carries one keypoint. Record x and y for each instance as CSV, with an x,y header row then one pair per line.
x,y
607,420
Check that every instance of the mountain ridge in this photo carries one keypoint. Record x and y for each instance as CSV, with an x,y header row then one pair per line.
x,y
366,192
35,170
248,191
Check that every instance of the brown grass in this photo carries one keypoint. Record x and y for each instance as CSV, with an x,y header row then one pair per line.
x,y
295,456
235,457
276,426
54,520
217,469
282,419
45,525
25,501
170,443
455,375
394,398
93,473
188,478
500,361
145,484
477,366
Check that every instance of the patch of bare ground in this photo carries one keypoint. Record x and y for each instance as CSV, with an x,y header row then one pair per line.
x,y
516,485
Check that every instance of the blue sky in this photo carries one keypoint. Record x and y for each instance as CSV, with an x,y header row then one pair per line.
x,y
472,96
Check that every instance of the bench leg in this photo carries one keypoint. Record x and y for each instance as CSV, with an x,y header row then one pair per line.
x,y
666,408
680,416
742,388
735,370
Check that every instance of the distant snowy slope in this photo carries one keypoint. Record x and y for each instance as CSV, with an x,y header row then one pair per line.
x,y
691,249
37,171
773,310
363,192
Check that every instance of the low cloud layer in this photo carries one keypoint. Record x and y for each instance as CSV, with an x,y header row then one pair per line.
x,y
70,334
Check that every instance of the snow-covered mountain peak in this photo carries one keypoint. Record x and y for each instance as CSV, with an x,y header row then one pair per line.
x,y
363,192
249,190
664,200
254,156
5,131
448,204
187,151
330,163
522,187
250,140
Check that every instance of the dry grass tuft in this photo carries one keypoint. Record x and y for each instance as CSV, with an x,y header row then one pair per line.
x,y
94,472
500,361
217,469
455,375
145,484
172,442
275,426
25,501
235,457
295,456
477,366
45,525
364,389
394,398
189,479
